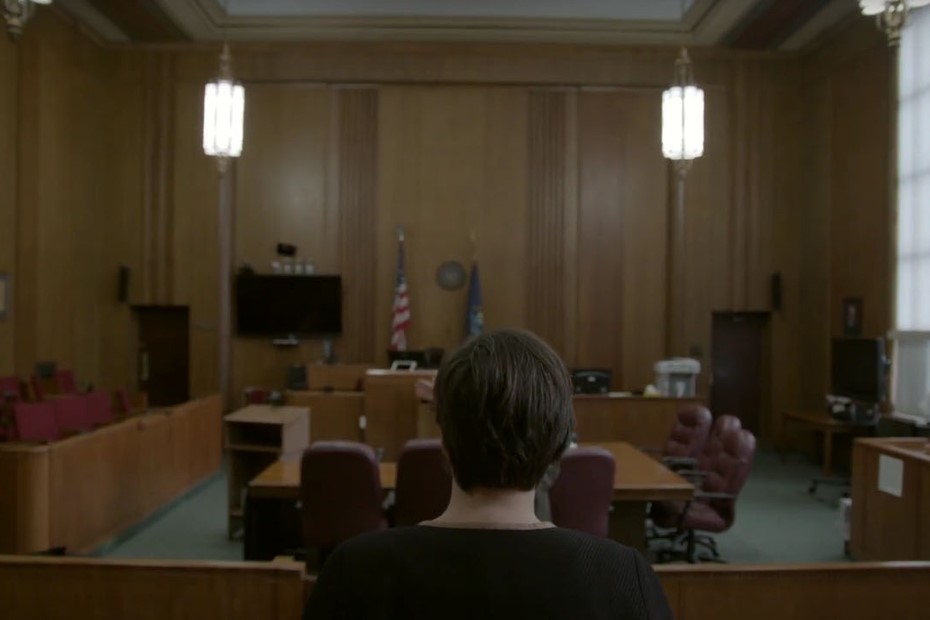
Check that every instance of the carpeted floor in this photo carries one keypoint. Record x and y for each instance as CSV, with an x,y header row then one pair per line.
x,y
777,522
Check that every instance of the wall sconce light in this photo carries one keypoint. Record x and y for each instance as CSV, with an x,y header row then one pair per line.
x,y
17,12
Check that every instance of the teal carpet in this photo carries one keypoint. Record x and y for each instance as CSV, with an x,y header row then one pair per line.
x,y
777,521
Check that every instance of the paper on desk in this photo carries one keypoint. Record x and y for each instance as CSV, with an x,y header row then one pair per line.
x,y
891,475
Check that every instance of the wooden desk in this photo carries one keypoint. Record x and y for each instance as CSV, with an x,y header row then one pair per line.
x,y
336,415
257,436
638,420
823,422
273,525
891,524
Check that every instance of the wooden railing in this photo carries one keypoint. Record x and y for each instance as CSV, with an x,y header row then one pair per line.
x,y
81,491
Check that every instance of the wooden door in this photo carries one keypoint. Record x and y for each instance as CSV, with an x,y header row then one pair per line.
x,y
738,365
164,353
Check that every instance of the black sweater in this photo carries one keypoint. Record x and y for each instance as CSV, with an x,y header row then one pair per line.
x,y
433,572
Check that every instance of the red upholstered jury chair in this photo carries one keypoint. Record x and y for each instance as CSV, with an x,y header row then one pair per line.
x,y
35,422
122,402
340,493
71,414
581,495
65,382
99,406
424,482
11,389
714,506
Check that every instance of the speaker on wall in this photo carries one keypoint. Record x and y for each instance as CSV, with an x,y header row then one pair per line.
x,y
776,291
122,284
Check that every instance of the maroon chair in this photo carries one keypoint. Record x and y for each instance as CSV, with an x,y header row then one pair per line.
x,y
99,406
340,493
72,414
35,422
11,389
121,400
714,506
255,396
424,482
688,437
581,495
723,425
65,382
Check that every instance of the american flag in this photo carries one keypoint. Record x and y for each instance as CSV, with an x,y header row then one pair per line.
x,y
401,303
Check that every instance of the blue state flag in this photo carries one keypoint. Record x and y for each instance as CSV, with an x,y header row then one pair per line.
x,y
474,321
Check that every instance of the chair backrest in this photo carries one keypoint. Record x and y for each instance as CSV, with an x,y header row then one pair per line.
x,y
11,389
730,469
581,495
35,422
72,414
65,381
722,425
424,482
99,405
255,396
121,400
340,492
689,433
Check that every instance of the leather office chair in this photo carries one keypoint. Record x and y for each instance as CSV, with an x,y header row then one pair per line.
x,y
340,493
581,495
35,422
72,414
688,437
713,508
723,425
424,482
99,406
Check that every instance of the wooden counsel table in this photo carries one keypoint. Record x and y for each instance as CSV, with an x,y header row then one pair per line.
x,y
823,422
638,479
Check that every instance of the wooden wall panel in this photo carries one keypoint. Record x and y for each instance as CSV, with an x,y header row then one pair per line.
x,y
9,81
195,189
281,196
357,195
79,177
546,217
622,235
451,161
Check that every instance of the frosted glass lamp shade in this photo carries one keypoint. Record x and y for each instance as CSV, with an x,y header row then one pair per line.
x,y
223,118
683,123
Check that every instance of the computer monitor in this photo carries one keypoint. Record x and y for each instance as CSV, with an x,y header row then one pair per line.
x,y
858,369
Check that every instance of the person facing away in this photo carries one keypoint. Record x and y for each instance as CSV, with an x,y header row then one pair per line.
x,y
504,406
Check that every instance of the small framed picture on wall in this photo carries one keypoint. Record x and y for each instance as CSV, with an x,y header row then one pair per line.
x,y
852,316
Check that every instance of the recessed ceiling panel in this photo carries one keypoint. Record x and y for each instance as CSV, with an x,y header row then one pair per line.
x,y
636,10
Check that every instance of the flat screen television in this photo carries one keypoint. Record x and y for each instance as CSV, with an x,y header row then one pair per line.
x,y
858,369
283,305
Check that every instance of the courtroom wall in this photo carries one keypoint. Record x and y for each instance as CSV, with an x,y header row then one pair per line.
x,y
548,154
70,184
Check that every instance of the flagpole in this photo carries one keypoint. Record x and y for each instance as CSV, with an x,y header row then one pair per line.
x,y
474,246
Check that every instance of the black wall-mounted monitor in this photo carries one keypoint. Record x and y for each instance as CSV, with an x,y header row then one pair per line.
x,y
858,369
280,305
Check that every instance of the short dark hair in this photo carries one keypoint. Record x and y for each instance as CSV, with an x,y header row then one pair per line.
x,y
504,404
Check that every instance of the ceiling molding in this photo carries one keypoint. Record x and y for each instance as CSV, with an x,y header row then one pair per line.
x,y
97,22
823,23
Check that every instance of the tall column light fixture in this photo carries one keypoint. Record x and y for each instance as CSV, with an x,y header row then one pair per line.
x,y
683,117
17,12
223,114
891,15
